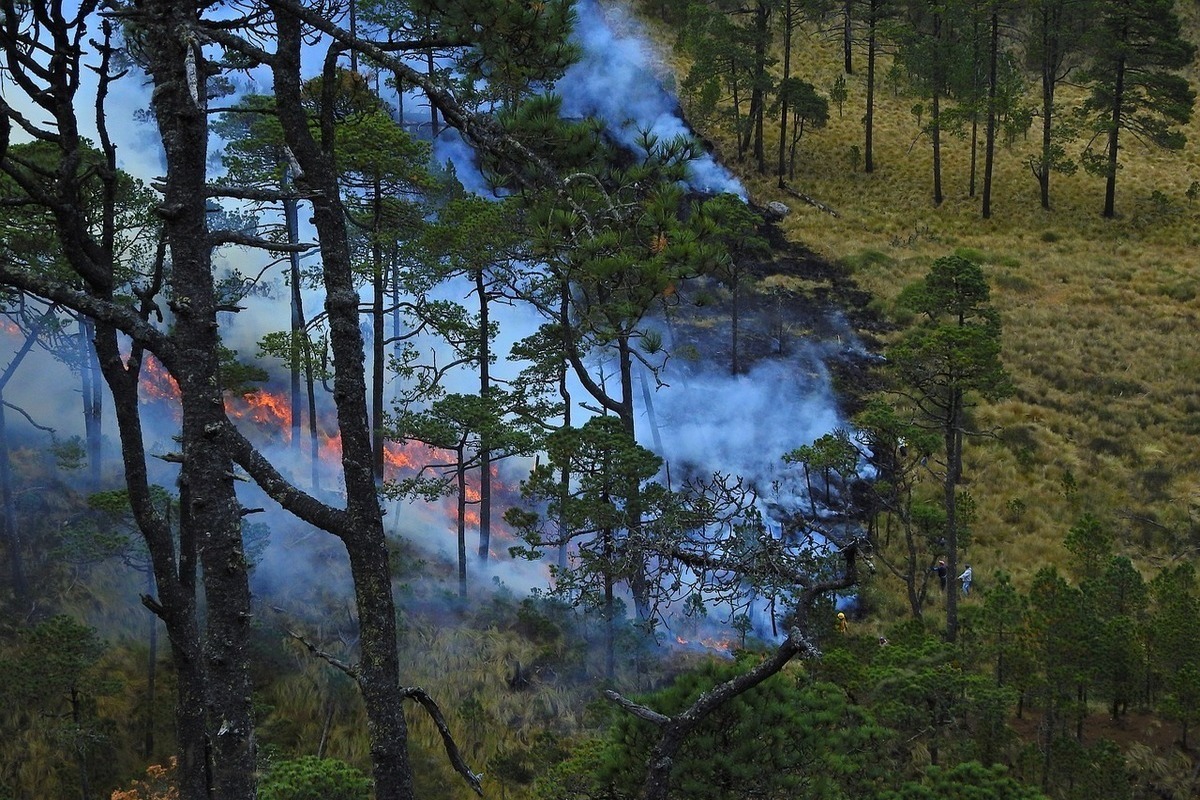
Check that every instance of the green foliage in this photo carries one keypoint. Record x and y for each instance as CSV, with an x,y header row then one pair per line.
x,y
1091,544
968,780
838,93
781,737
312,778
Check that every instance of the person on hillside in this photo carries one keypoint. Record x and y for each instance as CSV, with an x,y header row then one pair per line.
x,y
940,569
966,577
841,618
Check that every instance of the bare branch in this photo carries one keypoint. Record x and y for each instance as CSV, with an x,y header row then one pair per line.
x,y
435,713
28,418
638,710
333,661
219,238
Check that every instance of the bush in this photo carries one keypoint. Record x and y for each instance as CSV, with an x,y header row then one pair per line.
x,y
312,778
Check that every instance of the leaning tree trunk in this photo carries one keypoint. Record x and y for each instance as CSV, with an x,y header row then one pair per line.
x,y
485,448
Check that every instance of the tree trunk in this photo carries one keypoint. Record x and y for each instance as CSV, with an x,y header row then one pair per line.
x,y
1049,55
847,37
211,513
990,143
758,92
93,401
935,119
787,71
869,119
952,438
291,221
485,388
379,291
936,133
361,528
1110,185
174,575
12,538
460,473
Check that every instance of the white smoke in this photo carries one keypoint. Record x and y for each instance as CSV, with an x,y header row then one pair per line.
x,y
615,81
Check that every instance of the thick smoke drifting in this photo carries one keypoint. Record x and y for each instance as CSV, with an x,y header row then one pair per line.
x,y
614,81
705,420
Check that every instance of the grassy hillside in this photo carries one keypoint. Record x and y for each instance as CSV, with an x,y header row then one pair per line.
x,y
1101,316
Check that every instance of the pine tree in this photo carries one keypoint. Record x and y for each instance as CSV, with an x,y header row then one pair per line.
x,y
941,365
1135,49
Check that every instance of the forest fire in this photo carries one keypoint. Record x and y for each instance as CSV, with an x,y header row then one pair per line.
x,y
724,647
156,384
266,417
264,408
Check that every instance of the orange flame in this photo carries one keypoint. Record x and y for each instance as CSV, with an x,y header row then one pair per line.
x,y
156,384
264,408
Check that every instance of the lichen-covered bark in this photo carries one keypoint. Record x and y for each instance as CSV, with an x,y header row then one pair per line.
x,y
210,511
362,527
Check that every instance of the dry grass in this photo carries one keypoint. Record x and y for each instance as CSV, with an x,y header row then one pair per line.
x,y
1102,317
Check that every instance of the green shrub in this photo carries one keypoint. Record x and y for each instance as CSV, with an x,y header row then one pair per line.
x,y
312,778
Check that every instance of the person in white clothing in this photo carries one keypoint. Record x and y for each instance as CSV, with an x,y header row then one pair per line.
x,y
966,580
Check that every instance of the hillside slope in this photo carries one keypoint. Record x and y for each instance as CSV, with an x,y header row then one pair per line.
x,y
1100,315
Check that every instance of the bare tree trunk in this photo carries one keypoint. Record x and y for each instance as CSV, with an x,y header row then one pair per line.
x,y
361,528
485,387
379,290
869,119
990,144
12,539
93,401
1110,184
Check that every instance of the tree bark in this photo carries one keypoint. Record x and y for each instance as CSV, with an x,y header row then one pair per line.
x,y
211,511
361,530
990,143
1118,99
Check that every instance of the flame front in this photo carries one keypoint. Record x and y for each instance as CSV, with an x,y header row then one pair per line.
x,y
265,408
267,418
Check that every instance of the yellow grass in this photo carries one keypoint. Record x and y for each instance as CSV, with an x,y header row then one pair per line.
x,y
1101,317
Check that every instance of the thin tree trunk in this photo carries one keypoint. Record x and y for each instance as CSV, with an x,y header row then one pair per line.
x,y
787,71
952,438
93,401
990,144
291,220
1110,185
460,474
485,390
847,37
935,120
379,291
12,538
869,119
